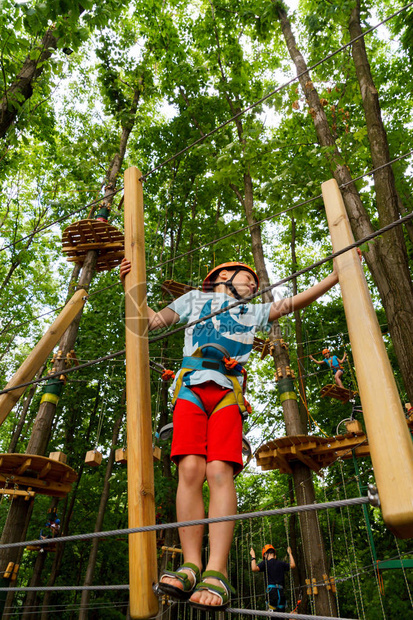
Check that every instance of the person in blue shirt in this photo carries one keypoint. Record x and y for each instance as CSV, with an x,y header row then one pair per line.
x,y
207,425
334,364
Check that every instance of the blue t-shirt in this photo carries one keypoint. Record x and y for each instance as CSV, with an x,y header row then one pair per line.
x,y
333,363
233,329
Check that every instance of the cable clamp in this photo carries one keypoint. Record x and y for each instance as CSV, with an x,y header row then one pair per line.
x,y
373,495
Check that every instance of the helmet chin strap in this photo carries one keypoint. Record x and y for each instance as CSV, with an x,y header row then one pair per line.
x,y
230,285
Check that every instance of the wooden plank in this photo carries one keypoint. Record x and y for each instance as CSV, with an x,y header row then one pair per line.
x,y
40,353
44,487
25,465
141,494
390,441
282,462
43,473
348,444
304,458
19,492
303,447
112,245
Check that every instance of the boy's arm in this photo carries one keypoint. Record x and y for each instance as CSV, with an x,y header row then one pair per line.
x,y
254,565
290,555
163,318
304,299
344,357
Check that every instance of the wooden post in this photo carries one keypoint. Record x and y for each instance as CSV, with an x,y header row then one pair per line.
x,y
141,496
390,443
41,351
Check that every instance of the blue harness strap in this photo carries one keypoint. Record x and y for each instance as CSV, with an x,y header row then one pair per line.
x,y
185,393
207,363
279,606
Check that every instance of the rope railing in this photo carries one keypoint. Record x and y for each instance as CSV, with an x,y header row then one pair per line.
x,y
354,501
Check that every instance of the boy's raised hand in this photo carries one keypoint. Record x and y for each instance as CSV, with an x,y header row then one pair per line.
x,y
125,268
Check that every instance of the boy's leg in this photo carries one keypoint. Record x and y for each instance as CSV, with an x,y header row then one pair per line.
x,y
223,501
189,507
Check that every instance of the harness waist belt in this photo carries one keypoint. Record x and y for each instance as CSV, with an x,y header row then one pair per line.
x,y
201,363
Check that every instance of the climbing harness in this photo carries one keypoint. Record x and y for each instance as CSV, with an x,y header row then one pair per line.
x,y
229,367
279,605
209,284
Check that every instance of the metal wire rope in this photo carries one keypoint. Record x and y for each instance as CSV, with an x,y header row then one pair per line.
x,y
354,501
204,137
169,333
300,272
60,219
287,210
218,239
274,92
279,614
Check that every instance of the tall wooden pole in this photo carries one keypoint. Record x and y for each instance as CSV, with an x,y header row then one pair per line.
x,y
40,353
141,495
390,443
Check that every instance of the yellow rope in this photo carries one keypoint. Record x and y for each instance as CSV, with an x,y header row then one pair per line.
x,y
310,417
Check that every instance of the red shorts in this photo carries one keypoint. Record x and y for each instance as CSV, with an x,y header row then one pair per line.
x,y
218,437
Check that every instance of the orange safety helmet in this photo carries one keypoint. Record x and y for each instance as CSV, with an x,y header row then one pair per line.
x,y
266,549
324,351
207,284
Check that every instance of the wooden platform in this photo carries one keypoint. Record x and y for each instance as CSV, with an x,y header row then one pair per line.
x,y
85,235
43,475
334,391
176,289
47,545
315,452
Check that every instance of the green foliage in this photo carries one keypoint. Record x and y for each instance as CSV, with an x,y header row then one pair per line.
x,y
193,67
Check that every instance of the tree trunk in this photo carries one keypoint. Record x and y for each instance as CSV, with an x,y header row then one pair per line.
x,y
84,603
386,258
315,555
17,522
298,332
25,408
32,600
388,201
22,88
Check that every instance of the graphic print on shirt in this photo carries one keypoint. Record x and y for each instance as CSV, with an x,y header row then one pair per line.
x,y
224,330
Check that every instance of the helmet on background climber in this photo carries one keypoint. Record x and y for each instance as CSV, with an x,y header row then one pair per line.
x,y
209,282
266,549
325,351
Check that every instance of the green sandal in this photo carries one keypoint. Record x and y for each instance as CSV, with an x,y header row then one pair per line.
x,y
180,594
224,591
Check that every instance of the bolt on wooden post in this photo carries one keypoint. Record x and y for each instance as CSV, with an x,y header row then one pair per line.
x,y
390,443
141,497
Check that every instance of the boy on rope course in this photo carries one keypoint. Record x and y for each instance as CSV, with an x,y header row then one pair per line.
x,y
334,364
208,415
274,575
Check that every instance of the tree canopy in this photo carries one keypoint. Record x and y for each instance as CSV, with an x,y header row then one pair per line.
x,y
87,85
